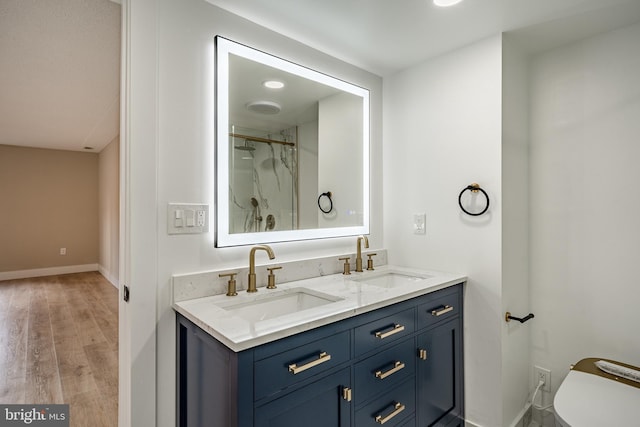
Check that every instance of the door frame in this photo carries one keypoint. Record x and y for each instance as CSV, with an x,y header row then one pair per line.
x,y
138,214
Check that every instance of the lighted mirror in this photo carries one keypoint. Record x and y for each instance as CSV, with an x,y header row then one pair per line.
x,y
292,150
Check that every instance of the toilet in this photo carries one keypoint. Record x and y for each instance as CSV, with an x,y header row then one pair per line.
x,y
590,397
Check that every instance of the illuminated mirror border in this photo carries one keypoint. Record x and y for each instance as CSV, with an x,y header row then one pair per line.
x,y
224,48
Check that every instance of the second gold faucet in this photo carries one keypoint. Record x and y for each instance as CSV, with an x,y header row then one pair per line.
x,y
252,265
359,252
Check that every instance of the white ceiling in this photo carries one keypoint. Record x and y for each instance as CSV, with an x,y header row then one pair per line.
x,y
60,59
386,36
59,73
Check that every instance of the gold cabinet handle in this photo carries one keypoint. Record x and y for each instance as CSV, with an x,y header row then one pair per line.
x,y
398,407
422,353
396,328
347,394
443,310
396,367
322,357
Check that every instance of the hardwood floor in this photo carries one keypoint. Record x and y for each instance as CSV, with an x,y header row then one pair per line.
x,y
59,344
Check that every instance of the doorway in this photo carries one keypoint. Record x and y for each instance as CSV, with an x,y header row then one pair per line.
x,y
60,110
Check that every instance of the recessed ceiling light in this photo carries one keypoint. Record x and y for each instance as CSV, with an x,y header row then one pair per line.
x,y
446,3
273,84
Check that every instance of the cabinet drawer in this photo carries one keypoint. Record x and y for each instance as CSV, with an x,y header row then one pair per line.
x,y
384,370
438,309
297,364
392,409
382,331
319,404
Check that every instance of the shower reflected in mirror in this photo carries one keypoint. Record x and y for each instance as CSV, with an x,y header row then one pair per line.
x,y
264,179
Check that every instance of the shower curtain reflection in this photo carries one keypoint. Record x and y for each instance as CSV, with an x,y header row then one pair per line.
x,y
263,180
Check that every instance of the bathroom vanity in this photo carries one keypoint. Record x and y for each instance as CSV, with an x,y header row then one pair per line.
x,y
383,349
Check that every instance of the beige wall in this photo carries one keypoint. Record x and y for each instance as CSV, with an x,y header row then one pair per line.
x,y
48,201
109,210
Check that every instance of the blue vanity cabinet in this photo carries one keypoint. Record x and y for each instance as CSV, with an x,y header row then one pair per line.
x,y
392,408
304,380
384,370
269,385
289,364
399,365
382,330
440,366
320,404
210,380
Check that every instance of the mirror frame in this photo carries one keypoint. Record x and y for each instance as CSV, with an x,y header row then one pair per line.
x,y
224,48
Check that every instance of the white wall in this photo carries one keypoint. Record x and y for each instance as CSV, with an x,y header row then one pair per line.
x,y
442,132
179,168
516,364
308,175
108,210
338,150
585,110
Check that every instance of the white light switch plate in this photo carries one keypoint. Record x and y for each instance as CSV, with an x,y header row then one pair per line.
x,y
187,218
420,223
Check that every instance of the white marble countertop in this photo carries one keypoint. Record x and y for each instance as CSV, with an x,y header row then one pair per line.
x,y
344,296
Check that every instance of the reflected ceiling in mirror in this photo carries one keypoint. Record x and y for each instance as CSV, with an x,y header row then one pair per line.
x,y
292,150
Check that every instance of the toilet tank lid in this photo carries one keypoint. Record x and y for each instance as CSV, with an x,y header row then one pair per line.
x,y
585,399
589,366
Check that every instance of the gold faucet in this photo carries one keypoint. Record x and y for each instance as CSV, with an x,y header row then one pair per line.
x,y
252,265
359,252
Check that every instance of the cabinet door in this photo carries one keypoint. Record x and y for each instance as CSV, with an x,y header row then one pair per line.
x,y
440,374
206,380
319,404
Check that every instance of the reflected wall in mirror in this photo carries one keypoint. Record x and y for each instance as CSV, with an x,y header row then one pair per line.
x,y
286,137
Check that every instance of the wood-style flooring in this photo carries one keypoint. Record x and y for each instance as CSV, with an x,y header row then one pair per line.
x,y
59,344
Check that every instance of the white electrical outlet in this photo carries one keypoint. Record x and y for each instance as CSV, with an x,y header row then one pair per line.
x,y
201,218
542,374
420,223
63,251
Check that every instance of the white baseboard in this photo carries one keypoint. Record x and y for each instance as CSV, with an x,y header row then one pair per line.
x,y
519,421
50,271
110,277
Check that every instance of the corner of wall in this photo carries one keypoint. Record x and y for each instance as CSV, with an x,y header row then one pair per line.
x,y
110,277
516,364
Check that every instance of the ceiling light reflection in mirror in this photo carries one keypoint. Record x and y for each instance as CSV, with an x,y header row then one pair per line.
x,y
446,3
273,84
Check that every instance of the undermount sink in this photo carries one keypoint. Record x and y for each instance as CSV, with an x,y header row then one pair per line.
x,y
279,303
391,279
